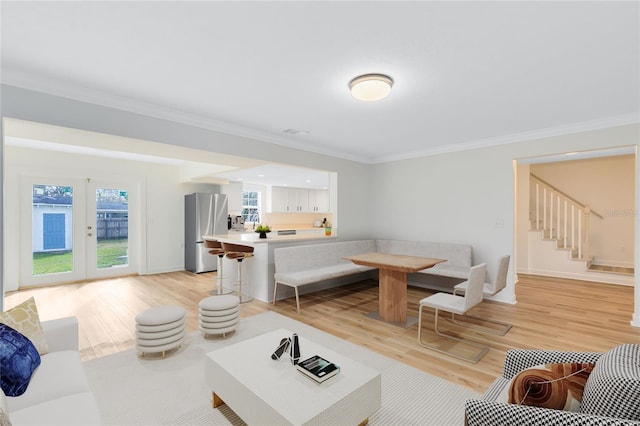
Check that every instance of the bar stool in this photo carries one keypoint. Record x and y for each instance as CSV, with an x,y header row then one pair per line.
x,y
239,253
215,249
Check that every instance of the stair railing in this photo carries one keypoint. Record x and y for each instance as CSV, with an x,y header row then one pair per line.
x,y
559,212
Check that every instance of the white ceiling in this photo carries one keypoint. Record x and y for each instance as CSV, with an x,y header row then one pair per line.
x,y
466,74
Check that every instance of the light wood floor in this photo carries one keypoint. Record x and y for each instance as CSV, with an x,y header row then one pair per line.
x,y
550,314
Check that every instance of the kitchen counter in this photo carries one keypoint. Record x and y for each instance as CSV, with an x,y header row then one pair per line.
x,y
258,270
272,237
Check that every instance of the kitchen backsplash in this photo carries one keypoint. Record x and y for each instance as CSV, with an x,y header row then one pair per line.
x,y
294,220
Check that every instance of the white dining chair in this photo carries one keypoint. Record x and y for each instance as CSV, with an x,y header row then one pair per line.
x,y
489,289
459,305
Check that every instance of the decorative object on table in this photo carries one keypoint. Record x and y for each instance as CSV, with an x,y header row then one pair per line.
x,y
282,348
290,344
318,368
327,227
263,230
294,355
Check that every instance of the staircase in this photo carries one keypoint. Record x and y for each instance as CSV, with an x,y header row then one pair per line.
x,y
559,238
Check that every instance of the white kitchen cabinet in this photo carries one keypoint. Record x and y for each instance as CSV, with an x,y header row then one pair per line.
x,y
299,200
289,200
318,200
234,196
279,199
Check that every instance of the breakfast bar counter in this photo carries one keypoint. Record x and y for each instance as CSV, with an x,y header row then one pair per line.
x,y
258,270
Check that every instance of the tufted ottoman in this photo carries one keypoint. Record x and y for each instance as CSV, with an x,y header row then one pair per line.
x,y
219,314
160,329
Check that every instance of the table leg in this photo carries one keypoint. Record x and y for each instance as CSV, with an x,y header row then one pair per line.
x,y
365,422
217,401
392,298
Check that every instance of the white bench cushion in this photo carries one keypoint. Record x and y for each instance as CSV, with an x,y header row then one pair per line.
x,y
294,279
448,271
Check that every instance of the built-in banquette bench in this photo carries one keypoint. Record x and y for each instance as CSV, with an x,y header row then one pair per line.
x,y
303,265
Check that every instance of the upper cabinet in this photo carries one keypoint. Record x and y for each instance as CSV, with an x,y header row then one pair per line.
x,y
234,196
297,200
319,200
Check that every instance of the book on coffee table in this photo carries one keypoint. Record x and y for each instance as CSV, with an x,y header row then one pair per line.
x,y
318,368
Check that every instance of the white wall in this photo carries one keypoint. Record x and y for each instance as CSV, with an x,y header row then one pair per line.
x,y
468,196
162,218
465,197
351,191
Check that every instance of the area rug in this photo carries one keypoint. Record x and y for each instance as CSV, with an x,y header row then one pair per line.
x,y
172,391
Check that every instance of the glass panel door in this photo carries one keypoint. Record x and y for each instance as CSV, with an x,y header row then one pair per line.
x,y
75,230
108,227
112,227
51,245
52,229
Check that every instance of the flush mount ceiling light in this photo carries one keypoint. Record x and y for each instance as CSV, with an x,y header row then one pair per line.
x,y
371,87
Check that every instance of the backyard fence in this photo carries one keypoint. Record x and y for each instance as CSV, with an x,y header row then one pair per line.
x,y
112,228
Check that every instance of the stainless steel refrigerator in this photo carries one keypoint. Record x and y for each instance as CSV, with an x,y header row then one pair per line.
x,y
204,214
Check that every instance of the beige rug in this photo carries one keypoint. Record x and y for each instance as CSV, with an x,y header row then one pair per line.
x,y
171,391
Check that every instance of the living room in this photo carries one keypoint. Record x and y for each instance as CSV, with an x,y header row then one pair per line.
x,y
423,194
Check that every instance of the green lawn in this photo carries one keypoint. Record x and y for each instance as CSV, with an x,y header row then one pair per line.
x,y
110,253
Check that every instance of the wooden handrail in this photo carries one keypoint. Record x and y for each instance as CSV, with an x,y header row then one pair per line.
x,y
567,196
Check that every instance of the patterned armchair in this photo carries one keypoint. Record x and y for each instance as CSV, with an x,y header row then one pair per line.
x,y
611,394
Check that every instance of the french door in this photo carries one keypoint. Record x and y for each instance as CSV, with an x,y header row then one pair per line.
x,y
76,229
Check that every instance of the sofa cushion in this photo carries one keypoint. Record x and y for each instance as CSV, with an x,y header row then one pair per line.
x,y
18,359
25,319
557,386
78,409
613,388
60,373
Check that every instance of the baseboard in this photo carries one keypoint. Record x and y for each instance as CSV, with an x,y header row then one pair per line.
x,y
164,270
597,277
616,263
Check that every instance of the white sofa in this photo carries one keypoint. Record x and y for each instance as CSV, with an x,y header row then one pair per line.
x,y
303,265
58,393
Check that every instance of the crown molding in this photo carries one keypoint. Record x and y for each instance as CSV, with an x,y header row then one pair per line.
x,y
615,121
72,91
76,92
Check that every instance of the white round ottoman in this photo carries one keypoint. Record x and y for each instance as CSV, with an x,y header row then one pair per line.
x,y
219,314
160,329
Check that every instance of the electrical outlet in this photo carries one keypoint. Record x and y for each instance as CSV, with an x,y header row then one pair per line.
x,y
499,223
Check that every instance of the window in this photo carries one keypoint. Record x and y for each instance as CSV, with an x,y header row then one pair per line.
x,y
251,206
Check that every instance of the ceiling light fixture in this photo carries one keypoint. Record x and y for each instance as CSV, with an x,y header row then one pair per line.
x,y
295,132
371,87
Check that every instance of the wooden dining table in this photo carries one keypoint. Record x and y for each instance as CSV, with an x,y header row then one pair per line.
x,y
393,269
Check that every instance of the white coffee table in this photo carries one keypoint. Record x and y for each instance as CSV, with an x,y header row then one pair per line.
x,y
267,392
